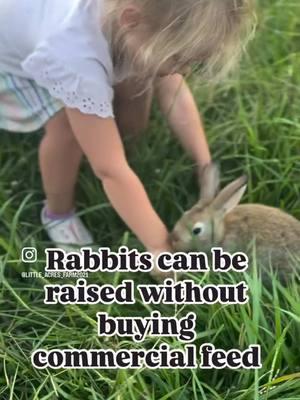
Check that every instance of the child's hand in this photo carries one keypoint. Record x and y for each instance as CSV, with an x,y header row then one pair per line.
x,y
156,273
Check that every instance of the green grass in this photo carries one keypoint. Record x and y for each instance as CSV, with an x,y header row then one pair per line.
x,y
253,126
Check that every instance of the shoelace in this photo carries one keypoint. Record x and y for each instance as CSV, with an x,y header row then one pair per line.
x,y
73,230
64,234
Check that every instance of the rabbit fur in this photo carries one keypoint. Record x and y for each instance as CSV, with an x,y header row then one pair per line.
x,y
218,221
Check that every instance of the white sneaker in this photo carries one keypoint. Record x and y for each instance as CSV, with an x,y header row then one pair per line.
x,y
67,234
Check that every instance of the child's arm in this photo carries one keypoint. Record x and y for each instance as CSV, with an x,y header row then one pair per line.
x,y
100,141
178,105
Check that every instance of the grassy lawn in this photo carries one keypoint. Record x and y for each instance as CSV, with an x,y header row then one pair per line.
x,y
253,126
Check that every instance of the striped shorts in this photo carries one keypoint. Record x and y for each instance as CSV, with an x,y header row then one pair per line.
x,y
24,106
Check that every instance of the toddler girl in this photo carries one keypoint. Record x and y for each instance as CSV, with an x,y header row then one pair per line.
x,y
87,70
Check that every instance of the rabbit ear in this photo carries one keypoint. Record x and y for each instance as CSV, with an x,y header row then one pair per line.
x,y
231,195
209,181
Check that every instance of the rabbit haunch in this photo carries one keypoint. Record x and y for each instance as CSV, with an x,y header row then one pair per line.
x,y
218,220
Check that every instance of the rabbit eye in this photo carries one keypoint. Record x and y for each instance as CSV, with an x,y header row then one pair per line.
x,y
198,229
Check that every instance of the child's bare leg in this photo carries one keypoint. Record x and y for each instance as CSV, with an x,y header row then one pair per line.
x,y
132,112
59,158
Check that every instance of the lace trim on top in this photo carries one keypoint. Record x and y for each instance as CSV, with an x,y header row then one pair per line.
x,y
60,88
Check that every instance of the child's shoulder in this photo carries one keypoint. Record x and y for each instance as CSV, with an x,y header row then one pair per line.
x,y
75,33
73,58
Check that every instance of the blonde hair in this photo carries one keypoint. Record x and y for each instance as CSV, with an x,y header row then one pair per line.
x,y
208,33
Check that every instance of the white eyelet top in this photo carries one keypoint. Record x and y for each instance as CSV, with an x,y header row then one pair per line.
x,y
60,45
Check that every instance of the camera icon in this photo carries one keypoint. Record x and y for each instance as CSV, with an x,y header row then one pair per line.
x,y
29,255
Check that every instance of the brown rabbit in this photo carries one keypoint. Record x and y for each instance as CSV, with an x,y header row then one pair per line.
x,y
218,221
